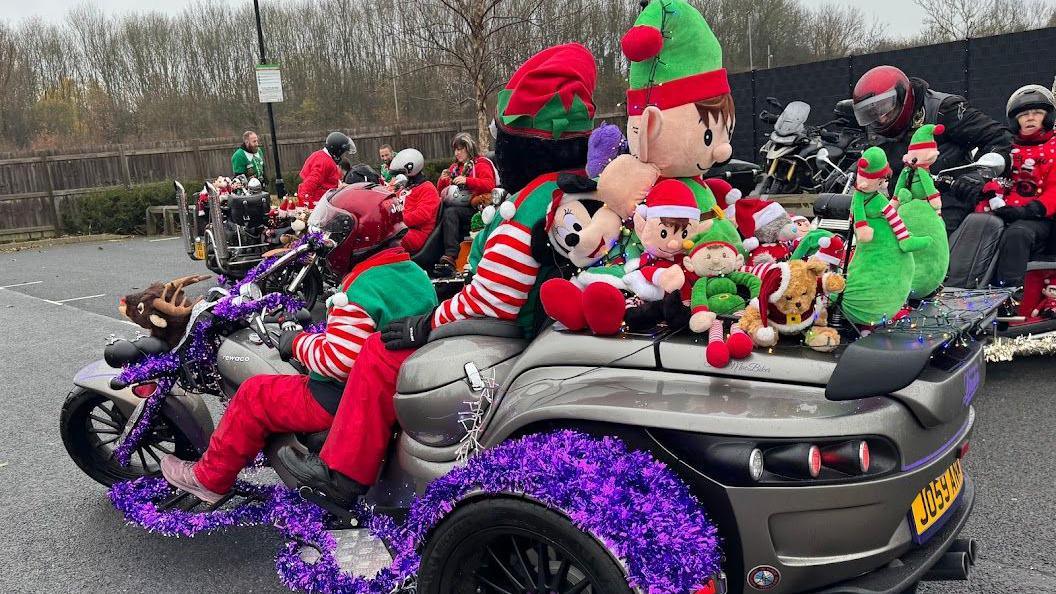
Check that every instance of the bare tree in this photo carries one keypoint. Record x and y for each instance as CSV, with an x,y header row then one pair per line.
x,y
473,41
950,20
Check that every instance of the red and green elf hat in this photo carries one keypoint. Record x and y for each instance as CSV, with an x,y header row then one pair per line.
x,y
924,137
675,58
551,95
873,164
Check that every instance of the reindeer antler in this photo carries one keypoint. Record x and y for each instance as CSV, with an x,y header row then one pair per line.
x,y
176,304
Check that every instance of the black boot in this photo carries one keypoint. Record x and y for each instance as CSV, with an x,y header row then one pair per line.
x,y
644,317
310,471
676,313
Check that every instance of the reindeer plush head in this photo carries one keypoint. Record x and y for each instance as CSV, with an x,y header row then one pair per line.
x,y
162,308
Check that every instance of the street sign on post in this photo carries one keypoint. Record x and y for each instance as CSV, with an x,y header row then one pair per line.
x,y
269,83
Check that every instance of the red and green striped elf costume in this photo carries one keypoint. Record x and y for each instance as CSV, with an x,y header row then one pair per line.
x,y
549,97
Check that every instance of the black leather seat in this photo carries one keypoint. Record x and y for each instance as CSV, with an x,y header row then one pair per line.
x,y
833,206
125,352
433,249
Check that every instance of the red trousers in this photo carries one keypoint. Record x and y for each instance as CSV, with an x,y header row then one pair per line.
x,y
263,405
365,418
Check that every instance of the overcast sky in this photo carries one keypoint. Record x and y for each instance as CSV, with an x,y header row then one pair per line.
x,y
902,15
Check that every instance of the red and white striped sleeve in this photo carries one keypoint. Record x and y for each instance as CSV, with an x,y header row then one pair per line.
x,y
332,353
504,277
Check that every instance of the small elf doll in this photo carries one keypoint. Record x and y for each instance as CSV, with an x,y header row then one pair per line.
x,y
881,272
721,289
1047,307
921,210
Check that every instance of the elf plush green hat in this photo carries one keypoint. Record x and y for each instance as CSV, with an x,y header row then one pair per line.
x,y
551,96
873,164
675,58
924,137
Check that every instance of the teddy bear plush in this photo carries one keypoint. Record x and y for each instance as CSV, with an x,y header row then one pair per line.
x,y
790,292
767,228
721,289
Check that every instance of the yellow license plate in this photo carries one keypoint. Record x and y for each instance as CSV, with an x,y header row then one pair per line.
x,y
936,499
199,250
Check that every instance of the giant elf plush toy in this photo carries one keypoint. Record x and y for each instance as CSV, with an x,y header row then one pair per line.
x,y
920,211
881,271
680,113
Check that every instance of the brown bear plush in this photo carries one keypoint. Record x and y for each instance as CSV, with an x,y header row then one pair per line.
x,y
791,292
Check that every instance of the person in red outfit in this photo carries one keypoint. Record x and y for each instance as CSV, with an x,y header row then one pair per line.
x,y
421,201
465,188
321,171
366,225
1030,202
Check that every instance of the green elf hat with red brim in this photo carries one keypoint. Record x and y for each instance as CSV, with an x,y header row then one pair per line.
x,y
873,164
675,58
924,137
551,96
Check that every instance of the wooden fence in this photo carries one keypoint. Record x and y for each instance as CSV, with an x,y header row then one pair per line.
x,y
36,189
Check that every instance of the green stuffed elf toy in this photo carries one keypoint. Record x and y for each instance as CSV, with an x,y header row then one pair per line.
x,y
881,271
680,113
920,210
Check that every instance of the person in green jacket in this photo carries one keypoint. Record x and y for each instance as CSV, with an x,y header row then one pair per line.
x,y
921,211
248,159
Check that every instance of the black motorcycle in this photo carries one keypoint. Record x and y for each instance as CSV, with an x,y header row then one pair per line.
x,y
799,158
234,232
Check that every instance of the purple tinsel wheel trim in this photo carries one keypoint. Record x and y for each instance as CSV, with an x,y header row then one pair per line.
x,y
124,450
138,500
635,505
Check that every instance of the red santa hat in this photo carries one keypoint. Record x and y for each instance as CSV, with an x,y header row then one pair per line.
x,y
725,195
830,250
670,199
775,277
751,213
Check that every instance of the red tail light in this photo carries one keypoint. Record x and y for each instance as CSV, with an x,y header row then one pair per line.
x,y
145,390
849,457
965,448
815,461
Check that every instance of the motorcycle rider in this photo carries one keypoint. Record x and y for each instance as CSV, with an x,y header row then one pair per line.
x,y
385,154
367,228
538,136
466,188
421,201
1030,202
248,159
892,106
321,171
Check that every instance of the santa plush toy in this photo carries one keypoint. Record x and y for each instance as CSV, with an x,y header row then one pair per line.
x,y
767,230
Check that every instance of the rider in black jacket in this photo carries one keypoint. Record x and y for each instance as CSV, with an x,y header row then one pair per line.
x,y
892,106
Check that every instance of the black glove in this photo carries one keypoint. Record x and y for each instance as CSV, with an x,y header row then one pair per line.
x,y
286,344
408,333
968,188
1010,214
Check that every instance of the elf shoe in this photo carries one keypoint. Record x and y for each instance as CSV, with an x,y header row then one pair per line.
x,y
717,354
563,301
913,244
603,308
739,344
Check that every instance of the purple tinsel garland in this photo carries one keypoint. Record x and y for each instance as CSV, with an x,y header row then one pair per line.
x,y
629,501
123,451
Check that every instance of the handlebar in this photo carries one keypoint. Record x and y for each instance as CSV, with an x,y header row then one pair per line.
x,y
768,117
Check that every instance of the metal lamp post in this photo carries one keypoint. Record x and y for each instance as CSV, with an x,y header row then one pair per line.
x,y
280,186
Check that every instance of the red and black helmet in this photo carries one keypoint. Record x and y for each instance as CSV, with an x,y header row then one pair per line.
x,y
361,219
883,101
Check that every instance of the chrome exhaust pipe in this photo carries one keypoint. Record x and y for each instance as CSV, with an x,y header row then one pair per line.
x,y
968,546
952,566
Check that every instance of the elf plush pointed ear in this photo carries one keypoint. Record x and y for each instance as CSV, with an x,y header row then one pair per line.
x,y
649,133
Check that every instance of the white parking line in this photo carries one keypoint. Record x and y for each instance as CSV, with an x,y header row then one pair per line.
x,y
21,284
163,239
61,301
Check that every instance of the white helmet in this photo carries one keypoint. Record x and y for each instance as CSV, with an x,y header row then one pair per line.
x,y
1030,97
409,162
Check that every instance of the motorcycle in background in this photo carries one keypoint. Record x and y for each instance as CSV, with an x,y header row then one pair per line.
x,y
791,155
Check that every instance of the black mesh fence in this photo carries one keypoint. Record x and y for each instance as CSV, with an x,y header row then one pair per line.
x,y
985,70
